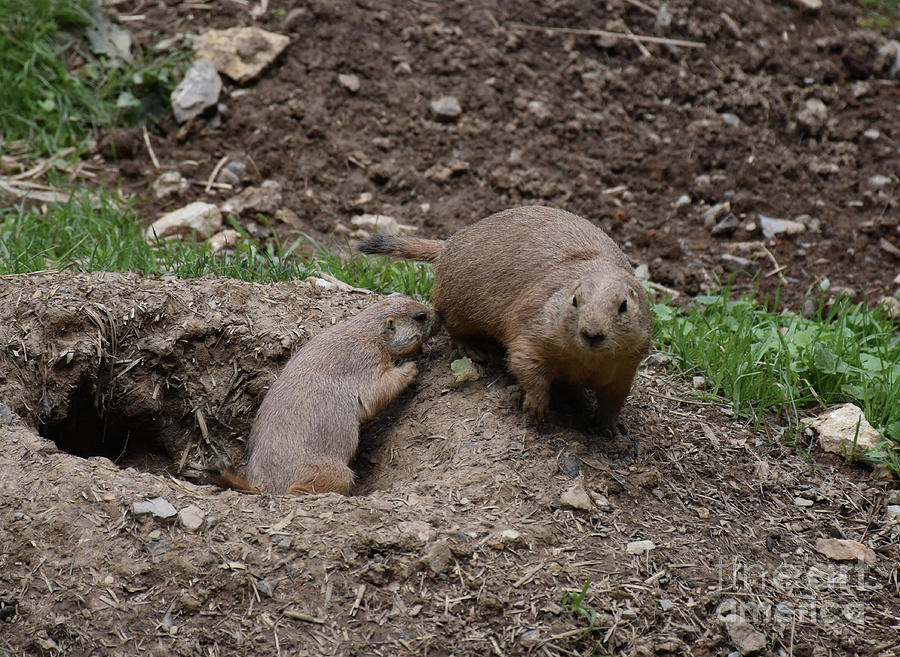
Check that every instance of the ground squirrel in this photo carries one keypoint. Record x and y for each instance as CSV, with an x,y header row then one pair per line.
x,y
307,428
552,287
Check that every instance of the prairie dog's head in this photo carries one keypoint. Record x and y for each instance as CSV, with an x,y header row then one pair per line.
x,y
607,311
407,324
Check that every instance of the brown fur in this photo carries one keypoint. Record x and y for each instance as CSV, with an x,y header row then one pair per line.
x,y
516,276
307,428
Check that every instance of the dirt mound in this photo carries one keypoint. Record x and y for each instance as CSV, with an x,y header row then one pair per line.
x,y
463,536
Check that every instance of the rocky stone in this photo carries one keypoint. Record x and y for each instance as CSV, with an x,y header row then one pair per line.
x,y
381,224
157,507
639,547
666,604
169,183
891,306
889,247
241,53
681,202
725,226
349,81
530,639
712,214
700,382
771,226
872,134
328,283
569,464
803,502
198,218
264,199
576,497
892,512
809,5
841,549
747,639
191,518
438,558
813,116
198,90
737,263
446,108
842,427
879,180
224,239
730,119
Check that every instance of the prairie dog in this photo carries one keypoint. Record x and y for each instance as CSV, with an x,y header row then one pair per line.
x,y
307,428
552,287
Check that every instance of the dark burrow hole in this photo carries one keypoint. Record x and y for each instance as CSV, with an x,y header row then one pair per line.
x,y
128,440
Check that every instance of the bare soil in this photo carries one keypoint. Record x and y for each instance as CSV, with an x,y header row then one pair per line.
x,y
456,540
592,125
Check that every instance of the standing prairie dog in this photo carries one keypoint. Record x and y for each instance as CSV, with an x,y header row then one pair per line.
x,y
307,428
552,287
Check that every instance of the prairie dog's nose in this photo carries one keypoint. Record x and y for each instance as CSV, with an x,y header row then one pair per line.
x,y
593,339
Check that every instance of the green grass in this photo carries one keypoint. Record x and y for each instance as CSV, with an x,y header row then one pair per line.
x,y
51,107
104,235
781,364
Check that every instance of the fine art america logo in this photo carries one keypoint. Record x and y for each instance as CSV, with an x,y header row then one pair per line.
x,y
789,595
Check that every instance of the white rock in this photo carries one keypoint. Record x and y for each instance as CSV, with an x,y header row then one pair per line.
x,y
711,215
349,81
639,547
266,199
198,90
837,428
840,549
576,497
879,181
241,53
328,283
381,224
224,239
682,201
892,512
891,305
809,5
872,134
202,219
446,108
813,116
771,226
730,119
158,507
169,183
191,518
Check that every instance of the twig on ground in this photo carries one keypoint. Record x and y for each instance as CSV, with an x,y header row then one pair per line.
x,y
150,148
606,33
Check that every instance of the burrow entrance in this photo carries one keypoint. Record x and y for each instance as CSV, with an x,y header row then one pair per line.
x,y
89,427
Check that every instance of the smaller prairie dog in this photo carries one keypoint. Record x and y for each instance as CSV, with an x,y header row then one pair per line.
x,y
552,287
307,428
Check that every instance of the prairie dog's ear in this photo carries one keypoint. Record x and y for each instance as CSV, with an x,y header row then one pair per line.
x,y
389,327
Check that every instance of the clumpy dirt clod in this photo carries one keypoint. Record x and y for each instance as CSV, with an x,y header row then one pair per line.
x,y
466,530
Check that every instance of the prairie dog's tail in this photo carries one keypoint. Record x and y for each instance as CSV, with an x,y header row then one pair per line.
x,y
223,475
410,248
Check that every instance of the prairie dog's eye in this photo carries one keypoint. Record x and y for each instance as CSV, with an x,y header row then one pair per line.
x,y
420,316
623,307
574,300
